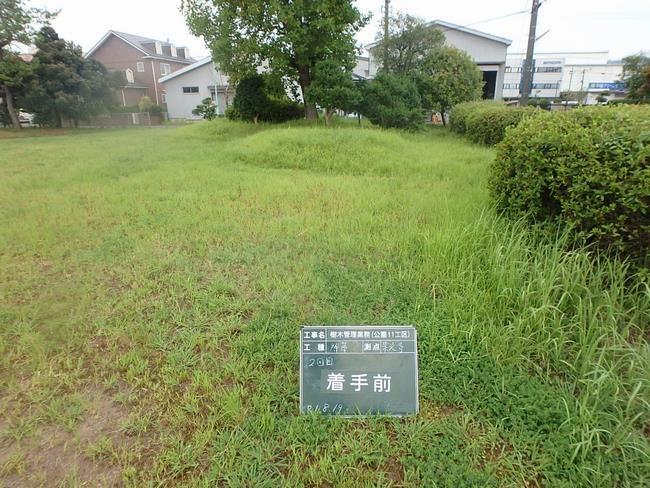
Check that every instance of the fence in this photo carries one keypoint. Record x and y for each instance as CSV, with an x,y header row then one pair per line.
x,y
123,120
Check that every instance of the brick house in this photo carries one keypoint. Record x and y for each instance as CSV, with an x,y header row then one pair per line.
x,y
142,60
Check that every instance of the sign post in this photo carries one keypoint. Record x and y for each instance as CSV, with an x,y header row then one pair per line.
x,y
359,370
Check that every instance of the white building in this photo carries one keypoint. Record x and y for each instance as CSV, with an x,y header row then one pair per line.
x,y
488,52
187,87
589,72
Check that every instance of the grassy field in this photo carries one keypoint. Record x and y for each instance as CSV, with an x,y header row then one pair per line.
x,y
153,282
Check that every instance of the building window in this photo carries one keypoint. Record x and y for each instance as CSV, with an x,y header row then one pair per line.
x,y
513,69
190,89
139,66
549,69
163,97
129,75
546,86
616,86
165,69
511,86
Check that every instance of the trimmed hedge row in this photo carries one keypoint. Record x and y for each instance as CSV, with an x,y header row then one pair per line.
x,y
587,169
486,122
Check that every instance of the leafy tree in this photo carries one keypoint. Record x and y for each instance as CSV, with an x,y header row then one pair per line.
x,y
289,38
333,88
206,109
410,41
64,84
18,24
392,101
251,100
450,77
636,74
14,71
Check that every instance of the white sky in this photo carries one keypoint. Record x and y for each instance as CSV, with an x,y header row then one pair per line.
x,y
621,27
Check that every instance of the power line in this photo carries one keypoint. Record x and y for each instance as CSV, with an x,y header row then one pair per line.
x,y
519,12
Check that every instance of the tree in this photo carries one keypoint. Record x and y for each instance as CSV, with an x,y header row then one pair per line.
x,y
450,77
410,41
392,101
288,38
251,100
18,24
636,74
206,109
64,84
333,88
14,71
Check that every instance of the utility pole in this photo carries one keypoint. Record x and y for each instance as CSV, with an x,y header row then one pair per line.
x,y
528,64
386,19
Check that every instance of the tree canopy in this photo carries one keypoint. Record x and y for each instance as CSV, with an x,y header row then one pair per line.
x,y
636,74
288,38
392,101
18,24
450,76
333,88
65,85
410,41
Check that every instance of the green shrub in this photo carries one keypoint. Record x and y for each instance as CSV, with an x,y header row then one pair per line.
x,y
486,122
258,99
460,112
282,109
586,169
543,103
488,126
392,101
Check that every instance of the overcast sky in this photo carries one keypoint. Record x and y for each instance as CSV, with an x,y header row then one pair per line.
x,y
620,27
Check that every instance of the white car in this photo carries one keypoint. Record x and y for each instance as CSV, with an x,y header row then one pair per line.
x,y
26,120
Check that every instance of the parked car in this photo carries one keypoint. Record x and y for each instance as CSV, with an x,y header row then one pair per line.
x,y
26,120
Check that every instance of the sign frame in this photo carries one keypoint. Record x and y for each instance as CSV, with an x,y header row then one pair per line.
x,y
363,326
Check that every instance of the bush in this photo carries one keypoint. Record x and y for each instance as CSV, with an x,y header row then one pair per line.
x,y
543,103
486,122
459,114
392,101
206,109
586,169
145,104
282,110
258,99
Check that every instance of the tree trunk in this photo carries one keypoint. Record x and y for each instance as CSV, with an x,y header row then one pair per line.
x,y
328,116
304,78
442,116
9,101
255,118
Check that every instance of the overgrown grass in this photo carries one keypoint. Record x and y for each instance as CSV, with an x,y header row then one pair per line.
x,y
153,282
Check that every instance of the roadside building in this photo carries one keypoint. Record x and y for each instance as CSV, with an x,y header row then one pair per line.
x,y
487,50
585,75
142,60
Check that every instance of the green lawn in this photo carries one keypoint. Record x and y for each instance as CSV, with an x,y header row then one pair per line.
x,y
153,282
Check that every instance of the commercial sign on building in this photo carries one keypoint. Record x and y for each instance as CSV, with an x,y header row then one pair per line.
x,y
359,370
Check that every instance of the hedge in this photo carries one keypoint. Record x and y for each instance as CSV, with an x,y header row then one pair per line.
x,y
587,169
486,122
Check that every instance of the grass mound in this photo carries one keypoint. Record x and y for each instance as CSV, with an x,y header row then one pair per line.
x,y
349,151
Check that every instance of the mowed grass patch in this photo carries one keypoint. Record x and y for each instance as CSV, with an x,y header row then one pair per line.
x,y
164,274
